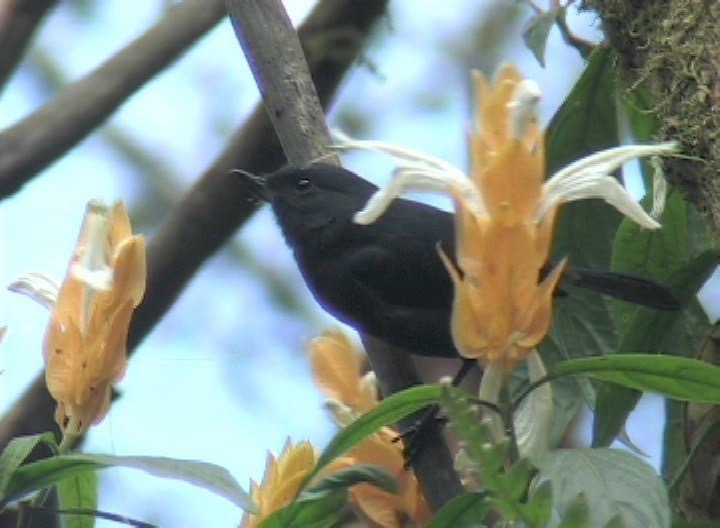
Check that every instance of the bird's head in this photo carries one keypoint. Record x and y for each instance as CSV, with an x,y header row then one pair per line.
x,y
312,197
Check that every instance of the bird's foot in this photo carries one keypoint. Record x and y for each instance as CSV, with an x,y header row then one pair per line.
x,y
416,437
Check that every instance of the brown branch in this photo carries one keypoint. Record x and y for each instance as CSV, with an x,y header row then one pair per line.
x,y
49,132
217,204
18,21
263,28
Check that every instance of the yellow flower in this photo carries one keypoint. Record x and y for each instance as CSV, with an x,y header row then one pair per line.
x,y
504,215
337,368
281,482
500,312
85,341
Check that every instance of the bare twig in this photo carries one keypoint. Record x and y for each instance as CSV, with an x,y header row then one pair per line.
x,y
217,204
263,28
49,132
18,21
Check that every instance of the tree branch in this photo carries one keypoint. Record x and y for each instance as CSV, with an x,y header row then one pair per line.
x,y
45,135
18,21
263,28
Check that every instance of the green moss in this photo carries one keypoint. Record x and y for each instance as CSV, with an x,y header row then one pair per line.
x,y
673,48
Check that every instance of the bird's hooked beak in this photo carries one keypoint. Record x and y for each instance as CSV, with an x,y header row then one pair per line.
x,y
254,183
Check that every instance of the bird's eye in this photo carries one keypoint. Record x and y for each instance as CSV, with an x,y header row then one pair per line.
x,y
302,185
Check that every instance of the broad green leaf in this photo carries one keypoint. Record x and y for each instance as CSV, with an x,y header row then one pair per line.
x,y
615,522
15,454
671,376
78,492
387,412
577,513
540,504
361,473
654,253
317,512
537,31
465,510
615,483
652,330
584,231
643,122
41,474
586,121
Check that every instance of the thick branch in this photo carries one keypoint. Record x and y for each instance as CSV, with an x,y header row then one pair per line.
x,y
262,27
18,21
49,132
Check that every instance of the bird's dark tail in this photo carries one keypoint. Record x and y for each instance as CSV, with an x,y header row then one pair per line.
x,y
623,286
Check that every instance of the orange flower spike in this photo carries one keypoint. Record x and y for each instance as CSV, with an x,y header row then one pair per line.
x,y
336,367
491,104
281,482
85,343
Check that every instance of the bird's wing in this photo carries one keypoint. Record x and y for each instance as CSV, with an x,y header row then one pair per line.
x,y
415,279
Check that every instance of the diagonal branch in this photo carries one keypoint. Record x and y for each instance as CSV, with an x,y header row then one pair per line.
x,y
45,135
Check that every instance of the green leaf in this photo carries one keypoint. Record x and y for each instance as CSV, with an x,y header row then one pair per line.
x,y
387,412
345,478
317,512
465,510
538,29
679,378
584,231
615,483
41,474
638,106
540,504
577,513
15,454
78,492
652,330
583,123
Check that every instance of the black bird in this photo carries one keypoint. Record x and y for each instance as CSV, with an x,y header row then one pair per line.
x,y
386,279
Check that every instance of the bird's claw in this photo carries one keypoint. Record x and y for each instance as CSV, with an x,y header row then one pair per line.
x,y
415,437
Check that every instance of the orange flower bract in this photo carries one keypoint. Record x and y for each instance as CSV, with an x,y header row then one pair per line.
x,y
337,369
85,342
281,482
500,312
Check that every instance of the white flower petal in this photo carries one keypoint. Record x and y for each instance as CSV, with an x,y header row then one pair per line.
x,y
38,286
590,177
415,172
99,279
341,413
660,188
524,107
533,418
410,157
410,179
490,385
91,266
